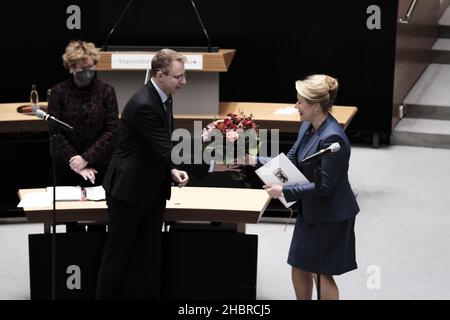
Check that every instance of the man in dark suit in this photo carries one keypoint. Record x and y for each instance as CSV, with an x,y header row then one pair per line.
x,y
137,184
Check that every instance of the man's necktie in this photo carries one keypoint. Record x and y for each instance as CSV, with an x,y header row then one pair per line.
x,y
168,105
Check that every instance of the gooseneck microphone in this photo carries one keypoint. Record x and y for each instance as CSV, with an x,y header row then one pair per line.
x,y
203,26
319,154
34,98
46,117
105,46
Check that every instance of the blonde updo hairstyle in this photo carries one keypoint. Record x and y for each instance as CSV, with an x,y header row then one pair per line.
x,y
318,88
78,51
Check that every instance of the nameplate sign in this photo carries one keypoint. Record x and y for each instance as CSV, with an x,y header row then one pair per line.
x,y
139,61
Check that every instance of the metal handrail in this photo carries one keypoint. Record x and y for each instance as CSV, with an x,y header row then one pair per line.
x,y
411,9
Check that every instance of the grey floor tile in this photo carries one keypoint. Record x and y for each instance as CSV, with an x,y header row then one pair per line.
x,y
402,230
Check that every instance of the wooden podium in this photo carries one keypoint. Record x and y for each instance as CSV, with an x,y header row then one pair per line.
x,y
126,71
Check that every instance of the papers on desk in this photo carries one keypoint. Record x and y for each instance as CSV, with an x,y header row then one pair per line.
x,y
66,193
286,111
45,199
36,200
77,193
95,193
280,170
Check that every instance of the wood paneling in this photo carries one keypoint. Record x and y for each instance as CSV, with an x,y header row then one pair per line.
x,y
414,41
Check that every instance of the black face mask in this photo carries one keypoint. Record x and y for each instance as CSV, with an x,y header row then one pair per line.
x,y
85,77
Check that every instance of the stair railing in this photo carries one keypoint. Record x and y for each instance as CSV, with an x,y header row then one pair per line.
x,y
407,18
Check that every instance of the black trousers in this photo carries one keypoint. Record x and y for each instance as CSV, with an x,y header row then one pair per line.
x,y
131,263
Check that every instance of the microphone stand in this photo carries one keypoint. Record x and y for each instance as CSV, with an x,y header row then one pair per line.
x,y
202,25
105,45
318,187
53,150
54,130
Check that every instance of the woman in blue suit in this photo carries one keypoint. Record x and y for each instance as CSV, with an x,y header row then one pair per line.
x,y
334,223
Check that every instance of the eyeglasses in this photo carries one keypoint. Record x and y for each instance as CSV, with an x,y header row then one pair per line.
x,y
179,78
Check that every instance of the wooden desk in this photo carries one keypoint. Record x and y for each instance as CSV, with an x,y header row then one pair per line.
x,y
12,121
187,204
265,115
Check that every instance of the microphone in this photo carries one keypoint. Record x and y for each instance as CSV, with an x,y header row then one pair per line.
x,y
318,155
46,117
105,46
203,26
34,98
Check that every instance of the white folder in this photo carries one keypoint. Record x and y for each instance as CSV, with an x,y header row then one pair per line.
x,y
280,170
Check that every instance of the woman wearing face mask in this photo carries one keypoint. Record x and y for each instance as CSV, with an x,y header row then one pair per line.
x,y
89,105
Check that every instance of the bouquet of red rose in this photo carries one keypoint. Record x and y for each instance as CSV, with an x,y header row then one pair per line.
x,y
231,138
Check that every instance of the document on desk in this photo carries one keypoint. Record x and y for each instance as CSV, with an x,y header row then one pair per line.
x,y
68,193
287,111
35,200
280,170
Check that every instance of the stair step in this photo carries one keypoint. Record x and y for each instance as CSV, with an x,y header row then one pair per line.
x,y
432,88
444,24
422,133
440,52
427,112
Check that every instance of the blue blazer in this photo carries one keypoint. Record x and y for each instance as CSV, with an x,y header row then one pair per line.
x,y
338,202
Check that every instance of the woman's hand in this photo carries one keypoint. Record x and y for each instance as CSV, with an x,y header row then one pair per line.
x,y
88,173
274,190
180,177
77,163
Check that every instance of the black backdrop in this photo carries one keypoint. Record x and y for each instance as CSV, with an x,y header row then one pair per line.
x,y
277,43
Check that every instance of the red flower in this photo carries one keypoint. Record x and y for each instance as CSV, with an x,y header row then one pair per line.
x,y
248,123
228,122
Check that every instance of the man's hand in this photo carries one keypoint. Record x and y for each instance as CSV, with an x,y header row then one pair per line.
x,y
180,177
226,167
88,173
274,190
77,163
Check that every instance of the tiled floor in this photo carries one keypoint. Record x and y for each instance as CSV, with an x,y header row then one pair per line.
x,y
402,233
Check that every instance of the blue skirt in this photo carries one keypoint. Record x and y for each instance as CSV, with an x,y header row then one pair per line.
x,y
337,247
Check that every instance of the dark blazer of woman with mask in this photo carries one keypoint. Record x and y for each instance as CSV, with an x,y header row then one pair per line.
x,y
89,105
